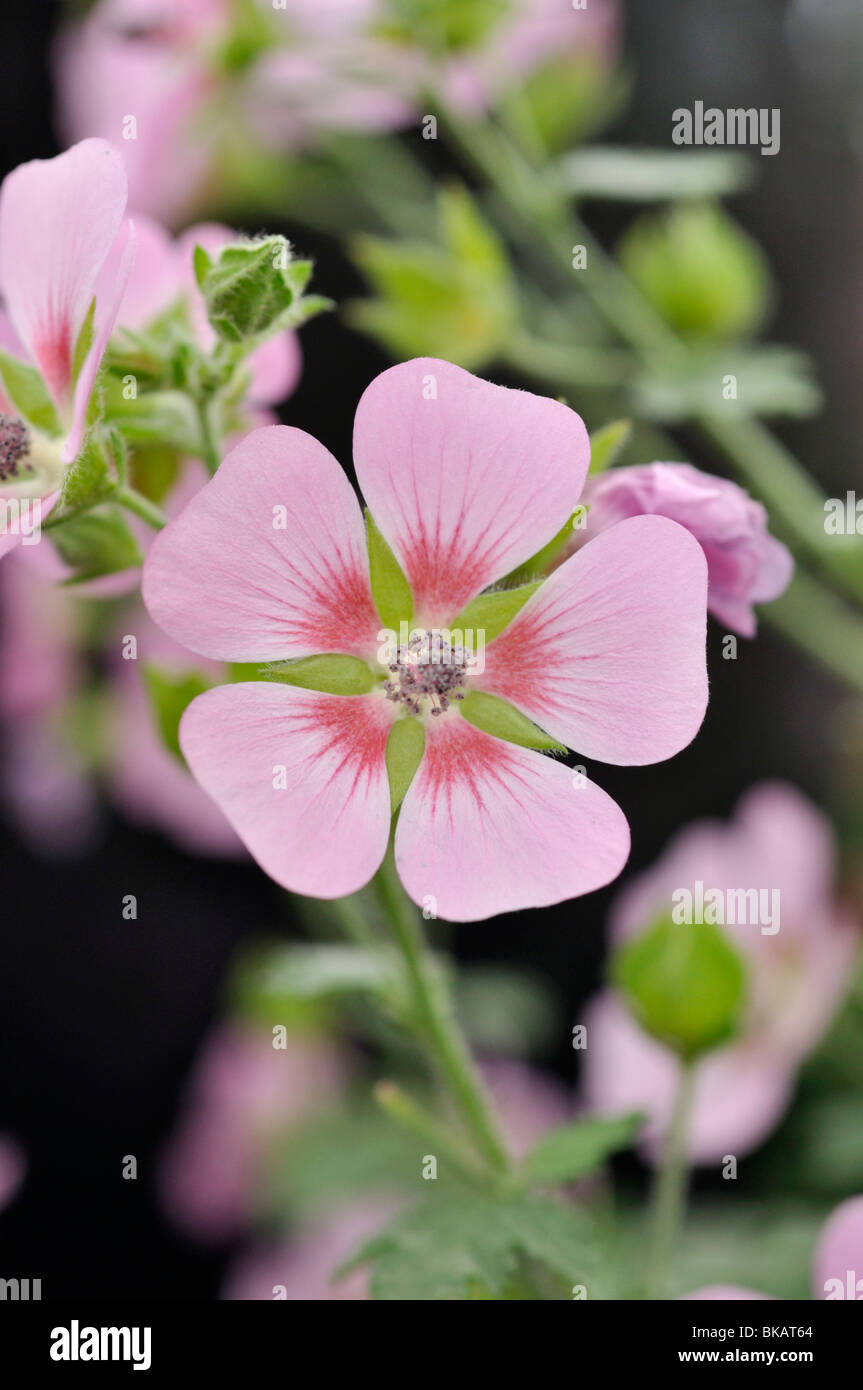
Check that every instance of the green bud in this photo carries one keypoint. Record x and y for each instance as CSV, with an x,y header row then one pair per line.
x,y
250,287
684,983
701,271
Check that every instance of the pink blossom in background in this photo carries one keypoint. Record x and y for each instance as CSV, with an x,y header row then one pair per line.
x,y
607,656
59,220
745,564
13,1168
837,1271
797,977
242,1094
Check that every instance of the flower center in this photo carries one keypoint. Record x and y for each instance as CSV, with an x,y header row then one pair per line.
x,y
433,666
14,445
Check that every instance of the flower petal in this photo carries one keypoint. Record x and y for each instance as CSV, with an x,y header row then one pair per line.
x,y
468,484
58,220
840,1251
609,655
488,827
323,832
225,580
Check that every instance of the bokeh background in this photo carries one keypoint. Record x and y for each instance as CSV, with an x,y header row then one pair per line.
x,y
100,1018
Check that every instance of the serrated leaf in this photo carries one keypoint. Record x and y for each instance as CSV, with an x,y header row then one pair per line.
x,y
491,613
331,672
390,589
29,394
403,755
608,443
581,1147
97,544
170,696
502,720
475,1247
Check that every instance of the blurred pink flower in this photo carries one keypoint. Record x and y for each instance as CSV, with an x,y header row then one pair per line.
x,y
13,1167
745,564
242,1094
465,483
797,976
59,220
837,1271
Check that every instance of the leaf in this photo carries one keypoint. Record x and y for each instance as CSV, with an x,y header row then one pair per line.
x,y
502,720
390,589
330,672
249,287
768,380
404,752
96,544
640,176
505,1011
491,613
541,562
202,264
608,443
684,983
580,1148
170,696
320,972
475,1247
29,394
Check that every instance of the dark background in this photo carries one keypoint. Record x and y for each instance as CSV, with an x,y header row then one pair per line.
x,y
99,1018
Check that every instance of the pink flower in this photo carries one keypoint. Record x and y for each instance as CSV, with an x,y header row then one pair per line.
x,y
837,1271
797,975
745,564
59,220
243,1093
13,1166
466,481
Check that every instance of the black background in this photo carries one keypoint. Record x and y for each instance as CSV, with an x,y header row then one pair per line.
x,y
99,1018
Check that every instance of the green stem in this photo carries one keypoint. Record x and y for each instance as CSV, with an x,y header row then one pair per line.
x,y
210,448
437,1022
141,506
442,1142
669,1191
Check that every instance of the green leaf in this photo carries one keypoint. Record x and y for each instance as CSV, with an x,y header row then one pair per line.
x,y
541,562
88,480
98,543
699,269
502,720
641,176
491,613
608,443
405,746
321,972
505,1011
330,672
769,380
202,264
472,1248
390,589
580,1148
684,983
29,394
85,340
249,288
170,696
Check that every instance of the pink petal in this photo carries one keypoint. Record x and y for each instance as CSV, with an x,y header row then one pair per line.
x,y
58,221
609,655
325,832
840,1252
156,281
224,582
467,485
488,827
